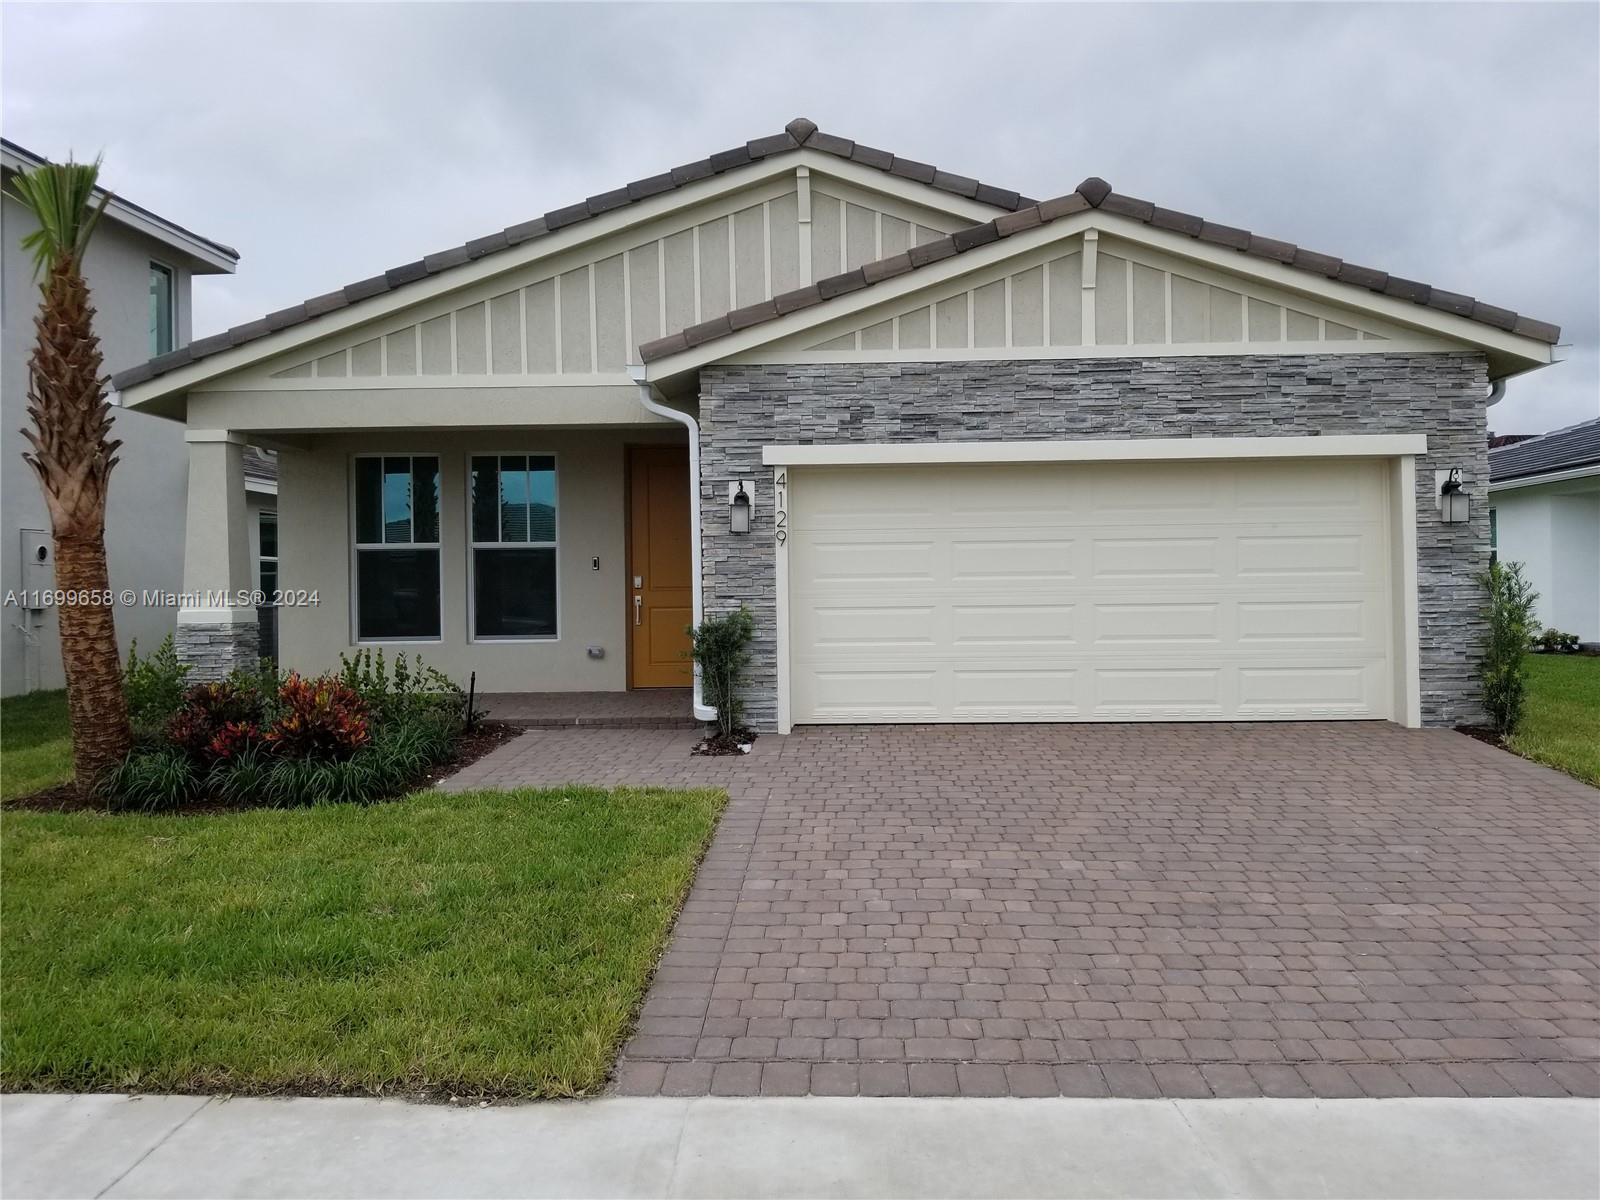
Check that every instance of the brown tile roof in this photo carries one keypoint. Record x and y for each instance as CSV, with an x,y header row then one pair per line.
x,y
799,133
1097,193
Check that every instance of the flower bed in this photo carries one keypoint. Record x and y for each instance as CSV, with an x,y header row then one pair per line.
x,y
265,739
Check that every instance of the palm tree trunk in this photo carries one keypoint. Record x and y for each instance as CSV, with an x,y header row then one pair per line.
x,y
96,707
73,455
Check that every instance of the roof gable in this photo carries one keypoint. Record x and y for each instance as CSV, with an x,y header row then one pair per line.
x,y
1093,206
945,190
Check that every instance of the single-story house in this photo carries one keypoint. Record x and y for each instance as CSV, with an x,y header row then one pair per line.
x,y
1544,512
966,456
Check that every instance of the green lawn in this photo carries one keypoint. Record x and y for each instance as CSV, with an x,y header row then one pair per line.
x,y
487,944
1562,725
35,751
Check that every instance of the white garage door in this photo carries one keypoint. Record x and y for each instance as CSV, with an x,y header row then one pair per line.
x,y
1090,592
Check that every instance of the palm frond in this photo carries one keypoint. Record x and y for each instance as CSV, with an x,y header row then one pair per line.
x,y
61,198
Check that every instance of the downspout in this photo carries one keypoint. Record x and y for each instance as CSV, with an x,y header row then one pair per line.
x,y
1497,391
648,397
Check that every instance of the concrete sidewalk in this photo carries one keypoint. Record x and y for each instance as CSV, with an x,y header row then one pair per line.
x,y
710,1146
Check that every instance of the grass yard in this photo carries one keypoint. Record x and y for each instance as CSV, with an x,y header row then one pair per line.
x,y
1562,725
35,751
485,944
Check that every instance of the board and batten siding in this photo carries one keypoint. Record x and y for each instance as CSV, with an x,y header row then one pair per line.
x,y
1095,292
587,320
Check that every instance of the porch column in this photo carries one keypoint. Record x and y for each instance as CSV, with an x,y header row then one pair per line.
x,y
216,623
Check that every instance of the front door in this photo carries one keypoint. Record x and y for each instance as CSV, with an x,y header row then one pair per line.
x,y
660,592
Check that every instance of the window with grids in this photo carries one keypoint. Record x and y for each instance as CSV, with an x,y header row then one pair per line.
x,y
513,502
397,547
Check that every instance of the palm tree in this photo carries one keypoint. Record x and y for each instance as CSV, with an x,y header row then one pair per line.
x,y
72,454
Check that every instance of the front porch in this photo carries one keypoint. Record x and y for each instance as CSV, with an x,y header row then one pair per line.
x,y
653,708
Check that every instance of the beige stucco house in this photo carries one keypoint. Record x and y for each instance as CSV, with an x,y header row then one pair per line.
x,y
999,460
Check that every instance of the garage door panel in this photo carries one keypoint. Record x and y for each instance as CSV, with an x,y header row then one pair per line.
x,y
1187,623
1090,592
1156,557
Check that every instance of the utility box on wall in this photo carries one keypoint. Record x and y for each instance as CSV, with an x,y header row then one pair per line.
x,y
38,561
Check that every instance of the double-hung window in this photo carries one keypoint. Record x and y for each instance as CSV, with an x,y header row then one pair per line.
x,y
397,547
513,505
163,309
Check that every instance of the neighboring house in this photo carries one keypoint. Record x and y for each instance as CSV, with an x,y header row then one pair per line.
x,y
139,267
1001,461
1544,512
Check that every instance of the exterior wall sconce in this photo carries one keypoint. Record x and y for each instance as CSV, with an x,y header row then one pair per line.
x,y
1453,501
739,505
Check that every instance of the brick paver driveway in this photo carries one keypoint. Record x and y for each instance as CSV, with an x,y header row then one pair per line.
x,y
1180,910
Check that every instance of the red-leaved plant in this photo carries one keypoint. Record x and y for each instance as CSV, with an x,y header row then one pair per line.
x,y
208,709
233,739
319,718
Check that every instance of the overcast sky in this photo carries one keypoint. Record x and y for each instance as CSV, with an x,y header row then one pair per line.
x,y
1456,145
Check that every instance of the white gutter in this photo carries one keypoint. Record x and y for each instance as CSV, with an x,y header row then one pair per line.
x,y
648,398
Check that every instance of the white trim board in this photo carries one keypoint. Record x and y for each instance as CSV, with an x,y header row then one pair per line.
x,y
1098,450
1559,476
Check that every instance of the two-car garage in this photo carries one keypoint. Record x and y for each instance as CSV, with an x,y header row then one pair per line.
x,y
1095,581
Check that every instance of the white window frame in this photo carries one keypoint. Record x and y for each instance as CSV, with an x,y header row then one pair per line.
x,y
357,546
172,304
473,546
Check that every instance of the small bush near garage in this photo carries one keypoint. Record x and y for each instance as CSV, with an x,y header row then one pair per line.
x,y
261,738
721,648
1509,614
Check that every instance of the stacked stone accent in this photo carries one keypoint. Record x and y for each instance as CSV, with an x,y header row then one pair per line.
x,y
212,651
743,408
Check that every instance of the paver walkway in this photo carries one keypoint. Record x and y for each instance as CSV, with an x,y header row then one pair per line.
x,y
1161,910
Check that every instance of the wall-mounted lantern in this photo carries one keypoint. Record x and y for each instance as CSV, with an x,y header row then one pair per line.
x,y
1453,502
739,503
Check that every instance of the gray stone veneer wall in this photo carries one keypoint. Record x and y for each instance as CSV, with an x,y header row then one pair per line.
x,y
212,651
743,408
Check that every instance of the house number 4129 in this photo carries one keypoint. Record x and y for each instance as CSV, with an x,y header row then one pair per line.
x,y
780,510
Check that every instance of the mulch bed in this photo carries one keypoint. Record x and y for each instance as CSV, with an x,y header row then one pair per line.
x,y
470,747
719,744
1484,734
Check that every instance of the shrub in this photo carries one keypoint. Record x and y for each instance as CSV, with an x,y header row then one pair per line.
x,y
243,779
208,709
407,691
319,719
155,687
1553,641
234,739
151,781
1509,613
296,784
721,647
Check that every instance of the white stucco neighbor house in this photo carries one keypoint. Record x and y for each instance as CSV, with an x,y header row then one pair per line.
x,y
140,267
966,456
1544,512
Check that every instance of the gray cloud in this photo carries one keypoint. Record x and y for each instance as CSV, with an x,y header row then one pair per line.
x,y
1454,144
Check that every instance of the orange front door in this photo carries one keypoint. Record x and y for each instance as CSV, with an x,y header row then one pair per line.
x,y
660,591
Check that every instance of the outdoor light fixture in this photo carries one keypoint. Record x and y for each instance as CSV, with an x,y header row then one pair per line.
x,y
739,509
1453,502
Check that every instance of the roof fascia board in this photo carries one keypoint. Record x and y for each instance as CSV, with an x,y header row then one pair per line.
x,y
1557,476
627,217
147,223
1525,350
